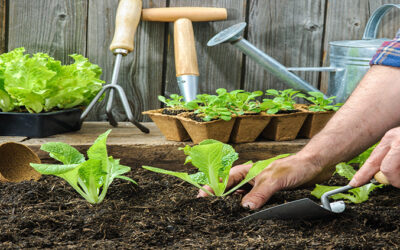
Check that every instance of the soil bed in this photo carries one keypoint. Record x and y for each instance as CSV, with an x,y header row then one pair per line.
x,y
162,212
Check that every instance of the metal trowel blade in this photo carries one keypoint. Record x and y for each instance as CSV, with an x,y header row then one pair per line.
x,y
299,209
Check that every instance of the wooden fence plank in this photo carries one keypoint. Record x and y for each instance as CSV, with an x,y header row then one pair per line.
x,y
289,31
57,27
391,22
346,20
3,17
220,66
141,71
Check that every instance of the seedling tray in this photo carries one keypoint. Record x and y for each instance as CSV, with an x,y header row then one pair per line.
x,y
40,125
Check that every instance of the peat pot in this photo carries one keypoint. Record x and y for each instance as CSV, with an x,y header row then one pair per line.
x,y
169,125
14,163
248,127
199,131
41,124
284,127
314,123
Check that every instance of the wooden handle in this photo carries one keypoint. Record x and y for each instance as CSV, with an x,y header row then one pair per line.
x,y
185,48
381,178
195,14
126,22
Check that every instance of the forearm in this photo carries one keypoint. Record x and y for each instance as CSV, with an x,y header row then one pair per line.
x,y
372,109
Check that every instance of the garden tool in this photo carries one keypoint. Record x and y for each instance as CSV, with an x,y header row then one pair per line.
x,y
14,163
187,70
308,209
127,20
349,60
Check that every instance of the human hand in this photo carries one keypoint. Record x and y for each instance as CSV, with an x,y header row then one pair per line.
x,y
285,173
385,158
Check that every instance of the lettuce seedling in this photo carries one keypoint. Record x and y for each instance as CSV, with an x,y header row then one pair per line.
x,y
356,195
213,107
214,160
320,104
283,100
177,102
244,102
90,178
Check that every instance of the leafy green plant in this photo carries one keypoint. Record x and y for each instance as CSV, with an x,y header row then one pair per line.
x,y
356,195
39,83
90,178
177,102
243,102
212,107
283,100
320,104
214,160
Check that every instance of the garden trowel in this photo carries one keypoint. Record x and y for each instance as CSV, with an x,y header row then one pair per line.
x,y
308,209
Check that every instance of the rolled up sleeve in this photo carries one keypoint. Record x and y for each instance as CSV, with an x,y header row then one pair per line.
x,y
389,53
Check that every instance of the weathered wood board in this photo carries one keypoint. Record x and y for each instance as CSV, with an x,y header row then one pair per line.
x,y
3,18
135,148
292,37
57,27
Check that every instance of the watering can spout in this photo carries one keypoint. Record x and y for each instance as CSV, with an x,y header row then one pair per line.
x,y
232,35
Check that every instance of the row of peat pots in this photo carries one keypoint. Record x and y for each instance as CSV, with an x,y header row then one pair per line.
x,y
242,128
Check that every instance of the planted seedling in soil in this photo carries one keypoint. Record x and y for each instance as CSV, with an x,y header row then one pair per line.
x,y
176,105
214,160
344,169
283,101
320,104
245,102
90,178
212,107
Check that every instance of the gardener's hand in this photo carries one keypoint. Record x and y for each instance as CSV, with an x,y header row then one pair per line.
x,y
282,174
385,157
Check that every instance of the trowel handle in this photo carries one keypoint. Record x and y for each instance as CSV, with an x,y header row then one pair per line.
x,y
185,48
381,178
126,22
371,29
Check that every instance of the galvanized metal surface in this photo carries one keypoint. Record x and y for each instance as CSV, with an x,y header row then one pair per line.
x,y
188,86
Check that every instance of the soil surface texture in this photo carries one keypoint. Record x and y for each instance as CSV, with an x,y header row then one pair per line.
x,y
173,111
162,212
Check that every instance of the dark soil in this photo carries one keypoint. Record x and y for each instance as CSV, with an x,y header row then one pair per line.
x,y
198,118
280,112
173,111
162,212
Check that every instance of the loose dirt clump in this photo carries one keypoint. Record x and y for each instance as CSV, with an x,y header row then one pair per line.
x,y
163,212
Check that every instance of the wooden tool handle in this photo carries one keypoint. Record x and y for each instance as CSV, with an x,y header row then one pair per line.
x,y
195,14
126,22
185,48
381,178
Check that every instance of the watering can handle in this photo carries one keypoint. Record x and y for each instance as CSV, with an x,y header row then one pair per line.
x,y
371,30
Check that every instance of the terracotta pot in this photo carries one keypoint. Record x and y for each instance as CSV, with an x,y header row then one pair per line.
x,y
284,127
199,131
169,125
248,127
314,123
14,163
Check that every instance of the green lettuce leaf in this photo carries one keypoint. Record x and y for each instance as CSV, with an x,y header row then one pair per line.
x,y
91,178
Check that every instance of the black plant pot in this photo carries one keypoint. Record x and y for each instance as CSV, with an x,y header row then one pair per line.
x,y
40,125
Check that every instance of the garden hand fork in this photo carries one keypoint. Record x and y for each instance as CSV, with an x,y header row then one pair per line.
x,y
127,20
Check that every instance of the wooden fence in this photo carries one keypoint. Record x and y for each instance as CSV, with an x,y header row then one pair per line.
x,y
295,32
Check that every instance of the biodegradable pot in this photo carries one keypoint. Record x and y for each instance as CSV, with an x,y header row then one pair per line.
x,y
14,163
314,123
248,127
169,125
41,124
284,127
199,131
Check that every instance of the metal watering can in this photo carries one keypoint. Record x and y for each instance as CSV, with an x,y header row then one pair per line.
x,y
349,60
